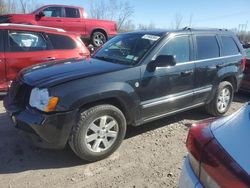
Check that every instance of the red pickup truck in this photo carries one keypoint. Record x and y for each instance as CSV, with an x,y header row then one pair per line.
x,y
69,18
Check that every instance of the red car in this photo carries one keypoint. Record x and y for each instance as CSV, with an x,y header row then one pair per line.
x,y
245,84
25,45
69,18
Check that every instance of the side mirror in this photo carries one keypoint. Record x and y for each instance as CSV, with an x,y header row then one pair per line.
x,y
40,14
164,61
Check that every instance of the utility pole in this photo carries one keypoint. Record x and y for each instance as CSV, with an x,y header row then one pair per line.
x,y
246,26
190,20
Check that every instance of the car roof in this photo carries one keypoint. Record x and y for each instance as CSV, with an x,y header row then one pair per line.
x,y
57,5
158,32
31,28
161,32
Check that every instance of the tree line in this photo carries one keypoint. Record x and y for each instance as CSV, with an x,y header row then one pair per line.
x,y
18,6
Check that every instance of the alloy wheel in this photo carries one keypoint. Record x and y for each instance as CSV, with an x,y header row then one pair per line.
x,y
223,100
101,134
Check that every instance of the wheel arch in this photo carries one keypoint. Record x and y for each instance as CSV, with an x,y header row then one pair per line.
x,y
111,101
229,76
99,30
231,79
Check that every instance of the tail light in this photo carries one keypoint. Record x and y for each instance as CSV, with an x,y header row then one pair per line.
x,y
210,162
243,63
83,52
199,135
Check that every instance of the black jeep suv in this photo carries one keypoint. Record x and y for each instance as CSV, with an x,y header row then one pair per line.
x,y
133,79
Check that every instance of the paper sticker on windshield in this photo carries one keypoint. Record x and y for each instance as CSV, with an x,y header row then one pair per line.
x,y
130,57
151,37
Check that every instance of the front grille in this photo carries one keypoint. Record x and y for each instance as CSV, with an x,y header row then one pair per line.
x,y
5,19
20,93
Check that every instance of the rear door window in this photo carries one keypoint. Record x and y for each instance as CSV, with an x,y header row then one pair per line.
x,y
72,12
207,47
229,46
22,41
61,42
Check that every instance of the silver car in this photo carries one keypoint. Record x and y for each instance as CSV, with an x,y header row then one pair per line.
x,y
219,153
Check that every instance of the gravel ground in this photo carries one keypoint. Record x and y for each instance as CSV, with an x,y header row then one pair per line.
x,y
150,156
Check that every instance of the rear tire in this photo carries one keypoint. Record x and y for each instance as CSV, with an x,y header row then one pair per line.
x,y
98,133
98,38
222,100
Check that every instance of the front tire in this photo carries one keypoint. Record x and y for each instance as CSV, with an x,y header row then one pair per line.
x,y
98,38
222,100
98,133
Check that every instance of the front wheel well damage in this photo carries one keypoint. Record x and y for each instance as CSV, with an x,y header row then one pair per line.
x,y
111,101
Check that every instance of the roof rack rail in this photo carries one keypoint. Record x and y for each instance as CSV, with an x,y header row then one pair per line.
x,y
33,26
202,28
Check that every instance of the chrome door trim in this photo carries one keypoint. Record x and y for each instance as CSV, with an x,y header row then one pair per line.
x,y
3,93
210,59
173,97
173,112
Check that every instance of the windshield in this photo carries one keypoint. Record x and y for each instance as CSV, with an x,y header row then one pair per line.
x,y
126,48
34,10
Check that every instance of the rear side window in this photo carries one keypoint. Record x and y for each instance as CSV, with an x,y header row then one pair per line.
x,y
229,46
1,41
179,48
207,47
72,13
22,41
61,42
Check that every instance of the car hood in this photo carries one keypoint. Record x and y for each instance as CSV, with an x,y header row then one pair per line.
x,y
20,15
54,73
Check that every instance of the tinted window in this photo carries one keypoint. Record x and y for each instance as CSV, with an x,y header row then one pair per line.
x,y
53,12
1,41
61,42
26,41
72,13
207,47
177,47
126,48
229,46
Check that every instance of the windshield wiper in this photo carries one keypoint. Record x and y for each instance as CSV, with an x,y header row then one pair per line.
x,y
116,61
104,58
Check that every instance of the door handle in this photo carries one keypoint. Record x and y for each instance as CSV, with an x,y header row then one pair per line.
x,y
187,73
58,20
50,59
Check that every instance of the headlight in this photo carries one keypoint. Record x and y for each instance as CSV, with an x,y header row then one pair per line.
x,y
40,99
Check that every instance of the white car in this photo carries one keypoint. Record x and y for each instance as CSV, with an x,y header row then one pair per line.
x,y
219,153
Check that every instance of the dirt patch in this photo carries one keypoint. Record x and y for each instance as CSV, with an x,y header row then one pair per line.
x,y
150,156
